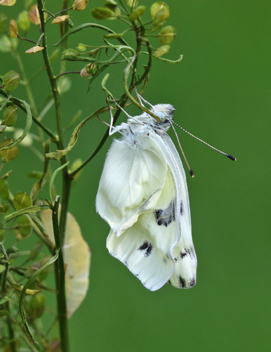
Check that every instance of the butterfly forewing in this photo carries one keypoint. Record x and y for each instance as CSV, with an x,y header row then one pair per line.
x,y
184,275
133,171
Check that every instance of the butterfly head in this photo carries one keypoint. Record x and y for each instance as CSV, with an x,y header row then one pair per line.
x,y
163,111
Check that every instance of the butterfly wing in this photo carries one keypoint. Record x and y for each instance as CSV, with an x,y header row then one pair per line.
x,y
184,275
146,246
134,170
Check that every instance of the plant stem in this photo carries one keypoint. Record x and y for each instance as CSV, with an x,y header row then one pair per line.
x,y
60,231
60,282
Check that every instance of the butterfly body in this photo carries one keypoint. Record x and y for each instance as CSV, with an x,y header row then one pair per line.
x,y
144,198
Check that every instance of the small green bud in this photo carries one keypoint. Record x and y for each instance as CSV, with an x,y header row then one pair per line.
x,y
167,34
23,21
3,22
37,305
10,116
8,44
82,47
22,200
37,175
8,154
70,54
159,11
24,226
115,9
11,80
162,50
77,163
11,250
137,13
102,13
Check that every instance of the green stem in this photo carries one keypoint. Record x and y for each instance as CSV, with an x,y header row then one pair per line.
x,y
60,282
66,183
12,343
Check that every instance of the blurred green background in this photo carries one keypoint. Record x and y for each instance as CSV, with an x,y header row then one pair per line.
x,y
221,91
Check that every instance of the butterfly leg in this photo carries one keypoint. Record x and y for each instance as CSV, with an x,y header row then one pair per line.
x,y
140,98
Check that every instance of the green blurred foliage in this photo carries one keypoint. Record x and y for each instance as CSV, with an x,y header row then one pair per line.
x,y
221,91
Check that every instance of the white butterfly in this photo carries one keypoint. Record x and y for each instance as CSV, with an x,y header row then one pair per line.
x,y
144,198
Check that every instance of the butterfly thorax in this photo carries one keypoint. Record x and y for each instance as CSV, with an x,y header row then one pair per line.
x,y
144,121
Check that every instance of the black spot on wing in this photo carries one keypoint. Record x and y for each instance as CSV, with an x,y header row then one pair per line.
x,y
185,252
147,247
182,282
181,208
165,216
192,283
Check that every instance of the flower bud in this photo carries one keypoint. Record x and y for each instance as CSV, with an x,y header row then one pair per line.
x,y
22,200
13,28
23,21
77,163
37,305
137,13
34,16
79,5
8,154
102,13
167,34
10,116
60,19
162,50
24,226
11,80
159,11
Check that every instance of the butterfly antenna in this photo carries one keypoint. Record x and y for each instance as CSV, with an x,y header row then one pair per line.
x,y
227,155
189,168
